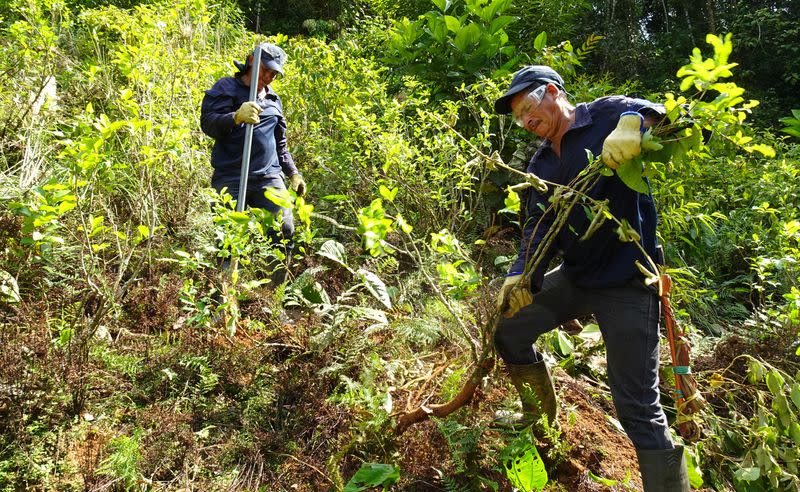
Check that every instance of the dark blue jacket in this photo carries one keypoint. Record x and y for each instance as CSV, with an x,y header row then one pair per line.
x,y
269,152
602,260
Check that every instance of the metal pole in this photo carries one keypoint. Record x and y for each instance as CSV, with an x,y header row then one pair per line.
x,y
248,132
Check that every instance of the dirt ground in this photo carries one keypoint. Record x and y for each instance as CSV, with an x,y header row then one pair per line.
x,y
595,445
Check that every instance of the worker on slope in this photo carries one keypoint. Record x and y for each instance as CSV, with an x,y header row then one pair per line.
x,y
225,111
598,276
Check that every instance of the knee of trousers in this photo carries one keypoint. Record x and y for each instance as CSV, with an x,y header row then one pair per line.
x,y
501,343
647,428
512,347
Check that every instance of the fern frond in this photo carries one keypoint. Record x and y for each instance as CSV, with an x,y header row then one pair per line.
x,y
588,46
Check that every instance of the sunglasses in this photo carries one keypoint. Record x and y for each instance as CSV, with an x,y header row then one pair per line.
x,y
527,104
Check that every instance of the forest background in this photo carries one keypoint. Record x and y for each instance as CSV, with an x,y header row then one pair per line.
x,y
121,369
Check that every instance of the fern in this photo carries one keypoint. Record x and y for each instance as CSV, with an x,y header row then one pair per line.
x,y
462,441
208,379
588,46
420,332
451,484
122,462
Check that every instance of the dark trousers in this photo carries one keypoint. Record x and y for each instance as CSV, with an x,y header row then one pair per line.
x,y
629,320
255,198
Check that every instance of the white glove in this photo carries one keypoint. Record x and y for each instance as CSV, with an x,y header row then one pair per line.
x,y
625,142
513,296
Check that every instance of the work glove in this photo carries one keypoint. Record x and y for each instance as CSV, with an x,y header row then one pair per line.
x,y
298,184
625,142
513,296
247,113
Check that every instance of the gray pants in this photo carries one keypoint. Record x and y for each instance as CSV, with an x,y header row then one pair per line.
x,y
629,319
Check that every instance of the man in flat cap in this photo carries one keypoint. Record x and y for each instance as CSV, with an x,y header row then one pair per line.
x,y
225,111
598,276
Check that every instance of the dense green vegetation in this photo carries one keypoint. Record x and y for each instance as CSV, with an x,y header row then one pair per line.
x,y
127,366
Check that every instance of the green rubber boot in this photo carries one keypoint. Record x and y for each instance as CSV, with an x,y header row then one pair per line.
x,y
537,394
663,470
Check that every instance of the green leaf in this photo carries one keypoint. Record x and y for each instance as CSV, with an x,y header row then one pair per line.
x,y
541,41
630,172
495,7
467,36
437,26
775,383
335,251
501,22
602,480
313,293
649,142
403,225
695,473
239,217
280,197
795,392
375,286
748,474
565,345
388,194
372,315
526,471
372,475
453,23
67,205
766,150
794,431
336,198
512,202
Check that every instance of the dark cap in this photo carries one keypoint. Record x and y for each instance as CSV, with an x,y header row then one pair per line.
x,y
272,56
527,77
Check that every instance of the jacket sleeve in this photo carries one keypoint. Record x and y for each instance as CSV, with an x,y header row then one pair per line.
x,y
216,113
537,225
284,157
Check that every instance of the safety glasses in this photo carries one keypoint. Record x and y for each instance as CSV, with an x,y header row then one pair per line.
x,y
527,104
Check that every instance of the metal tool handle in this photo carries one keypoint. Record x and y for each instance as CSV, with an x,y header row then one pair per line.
x,y
248,132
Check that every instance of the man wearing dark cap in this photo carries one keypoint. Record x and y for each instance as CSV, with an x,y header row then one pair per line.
x,y
598,276
226,110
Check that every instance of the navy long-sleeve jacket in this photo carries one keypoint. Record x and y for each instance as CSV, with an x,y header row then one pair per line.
x,y
602,260
269,152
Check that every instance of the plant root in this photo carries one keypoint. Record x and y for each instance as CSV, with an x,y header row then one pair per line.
x,y
463,397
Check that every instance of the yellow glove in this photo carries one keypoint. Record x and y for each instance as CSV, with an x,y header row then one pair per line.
x,y
625,142
513,296
247,113
298,184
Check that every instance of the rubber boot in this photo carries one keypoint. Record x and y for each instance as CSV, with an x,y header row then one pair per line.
x,y
536,393
663,470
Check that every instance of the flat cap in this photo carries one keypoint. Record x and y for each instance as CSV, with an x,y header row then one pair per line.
x,y
524,78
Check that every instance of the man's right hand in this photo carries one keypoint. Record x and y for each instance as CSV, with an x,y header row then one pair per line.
x,y
513,296
625,142
247,113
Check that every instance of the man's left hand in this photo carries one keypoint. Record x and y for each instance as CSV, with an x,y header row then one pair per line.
x,y
298,184
625,142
